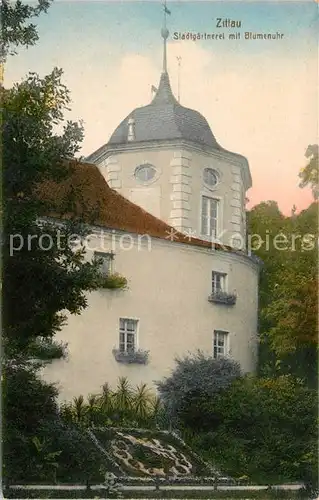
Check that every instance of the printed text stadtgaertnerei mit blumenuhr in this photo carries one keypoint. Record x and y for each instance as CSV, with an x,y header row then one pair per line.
x,y
229,33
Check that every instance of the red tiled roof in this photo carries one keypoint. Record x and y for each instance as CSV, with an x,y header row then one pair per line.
x,y
85,194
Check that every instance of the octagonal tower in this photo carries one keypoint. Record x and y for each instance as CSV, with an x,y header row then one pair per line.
x,y
165,158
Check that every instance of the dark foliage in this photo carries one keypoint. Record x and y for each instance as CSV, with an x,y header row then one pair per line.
x,y
195,378
264,430
16,28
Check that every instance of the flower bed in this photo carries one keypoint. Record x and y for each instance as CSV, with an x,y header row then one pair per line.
x,y
150,454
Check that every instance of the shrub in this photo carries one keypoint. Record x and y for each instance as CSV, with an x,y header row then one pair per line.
x,y
195,378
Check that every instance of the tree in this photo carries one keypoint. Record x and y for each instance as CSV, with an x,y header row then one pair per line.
x,y
64,451
15,26
195,378
40,281
288,290
309,175
27,402
266,222
266,431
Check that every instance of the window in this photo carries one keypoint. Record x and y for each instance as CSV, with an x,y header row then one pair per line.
x,y
209,219
128,335
220,341
218,282
105,260
210,177
145,173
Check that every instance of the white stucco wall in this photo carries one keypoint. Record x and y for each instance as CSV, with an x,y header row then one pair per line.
x,y
169,284
174,195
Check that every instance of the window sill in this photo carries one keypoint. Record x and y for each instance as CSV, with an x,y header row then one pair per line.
x,y
138,357
228,299
113,282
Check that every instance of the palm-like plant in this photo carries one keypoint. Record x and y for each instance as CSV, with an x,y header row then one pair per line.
x,y
80,410
123,406
157,408
123,398
156,403
106,401
141,403
160,417
92,409
67,412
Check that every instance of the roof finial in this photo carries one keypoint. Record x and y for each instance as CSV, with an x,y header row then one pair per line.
x,y
165,33
164,92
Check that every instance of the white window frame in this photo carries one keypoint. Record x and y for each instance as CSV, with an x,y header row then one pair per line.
x,y
218,216
148,182
223,281
216,347
140,183
217,175
126,332
105,256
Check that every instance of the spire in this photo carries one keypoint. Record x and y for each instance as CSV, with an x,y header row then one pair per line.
x,y
164,93
165,33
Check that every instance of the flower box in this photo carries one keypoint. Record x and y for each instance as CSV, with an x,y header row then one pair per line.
x,y
113,281
220,297
139,356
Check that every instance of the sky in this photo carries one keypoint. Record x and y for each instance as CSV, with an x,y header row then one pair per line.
x,y
260,97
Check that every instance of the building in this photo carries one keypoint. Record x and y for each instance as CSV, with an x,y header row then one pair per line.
x,y
171,204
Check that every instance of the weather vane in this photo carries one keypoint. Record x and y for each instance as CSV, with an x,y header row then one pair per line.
x,y
165,33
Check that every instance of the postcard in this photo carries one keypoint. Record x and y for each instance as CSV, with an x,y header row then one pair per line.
x,y
160,222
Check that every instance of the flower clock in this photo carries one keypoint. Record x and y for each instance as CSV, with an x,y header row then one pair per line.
x,y
149,457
